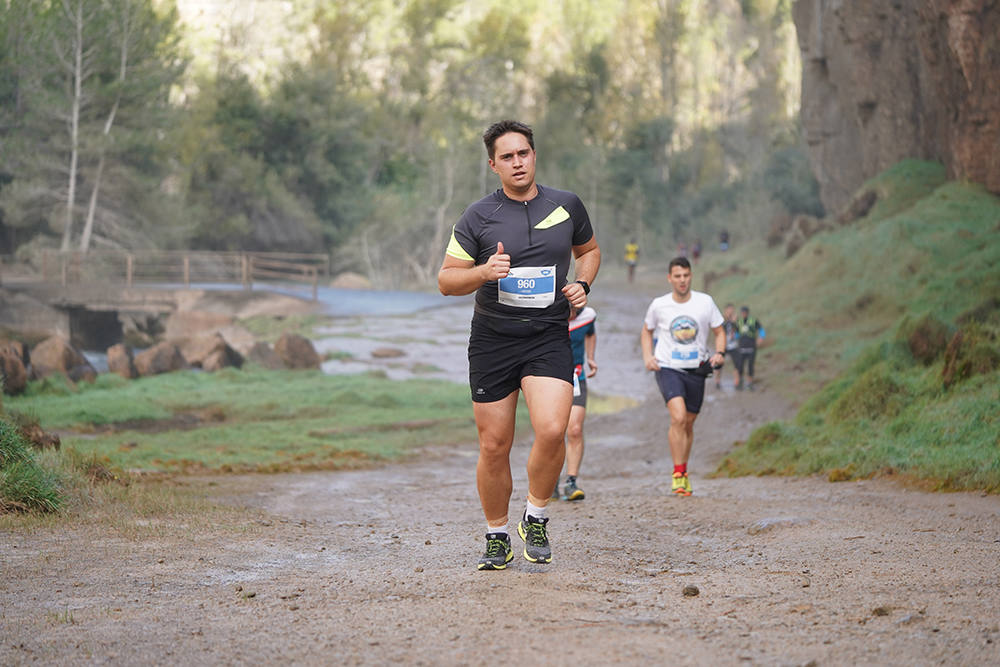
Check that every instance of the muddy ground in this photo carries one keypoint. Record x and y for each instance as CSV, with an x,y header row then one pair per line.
x,y
378,566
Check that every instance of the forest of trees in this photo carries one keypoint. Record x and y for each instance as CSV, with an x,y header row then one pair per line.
x,y
672,119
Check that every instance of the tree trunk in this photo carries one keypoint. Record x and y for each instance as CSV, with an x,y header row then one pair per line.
x,y
74,120
440,217
126,30
88,226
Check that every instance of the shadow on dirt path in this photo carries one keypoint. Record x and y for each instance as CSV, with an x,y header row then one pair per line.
x,y
378,566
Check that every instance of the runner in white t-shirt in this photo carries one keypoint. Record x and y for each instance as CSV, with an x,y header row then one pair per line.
x,y
683,357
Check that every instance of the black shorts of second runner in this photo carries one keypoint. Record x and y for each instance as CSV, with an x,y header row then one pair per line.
x,y
502,352
674,383
581,398
747,358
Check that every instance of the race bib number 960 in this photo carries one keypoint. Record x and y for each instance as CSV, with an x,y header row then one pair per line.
x,y
528,287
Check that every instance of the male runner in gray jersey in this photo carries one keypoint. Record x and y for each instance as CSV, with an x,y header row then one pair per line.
x,y
513,248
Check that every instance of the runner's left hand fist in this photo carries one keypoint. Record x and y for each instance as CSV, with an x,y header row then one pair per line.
x,y
575,295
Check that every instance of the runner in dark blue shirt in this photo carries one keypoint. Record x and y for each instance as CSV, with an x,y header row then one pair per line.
x,y
583,340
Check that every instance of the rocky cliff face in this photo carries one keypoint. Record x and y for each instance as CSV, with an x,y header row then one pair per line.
x,y
887,80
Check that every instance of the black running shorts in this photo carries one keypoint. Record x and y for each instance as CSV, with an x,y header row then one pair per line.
x,y
681,383
502,351
747,358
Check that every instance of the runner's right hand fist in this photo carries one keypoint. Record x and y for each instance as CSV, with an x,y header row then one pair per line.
x,y
498,265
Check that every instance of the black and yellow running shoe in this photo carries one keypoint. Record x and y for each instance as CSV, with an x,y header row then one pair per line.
x,y
571,491
536,539
498,552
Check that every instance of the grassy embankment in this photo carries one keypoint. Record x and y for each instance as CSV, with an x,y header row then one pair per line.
x,y
886,333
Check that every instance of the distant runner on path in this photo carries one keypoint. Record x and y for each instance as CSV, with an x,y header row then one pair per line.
x,y
683,358
631,258
729,315
513,249
750,333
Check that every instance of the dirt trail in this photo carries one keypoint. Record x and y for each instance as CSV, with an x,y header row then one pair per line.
x,y
378,566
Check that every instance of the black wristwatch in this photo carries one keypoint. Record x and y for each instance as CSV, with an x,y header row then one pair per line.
x,y
723,352
586,287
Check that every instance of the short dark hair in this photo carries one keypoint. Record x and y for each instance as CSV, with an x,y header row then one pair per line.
x,y
679,261
745,309
497,130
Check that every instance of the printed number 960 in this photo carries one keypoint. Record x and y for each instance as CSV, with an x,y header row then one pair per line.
x,y
525,283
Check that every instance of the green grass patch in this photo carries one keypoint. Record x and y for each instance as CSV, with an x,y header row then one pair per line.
x,y
253,419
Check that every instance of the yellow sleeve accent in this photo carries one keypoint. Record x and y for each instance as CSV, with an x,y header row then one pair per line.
x,y
456,250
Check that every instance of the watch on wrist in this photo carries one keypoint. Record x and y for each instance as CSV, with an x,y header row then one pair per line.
x,y
585,286
723,352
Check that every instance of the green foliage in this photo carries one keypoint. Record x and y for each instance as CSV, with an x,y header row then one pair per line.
x,y
13,449
56,384
24,485
790,180
364,138
88,124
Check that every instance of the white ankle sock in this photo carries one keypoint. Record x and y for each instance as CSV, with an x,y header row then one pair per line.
x,y
536,512
497,529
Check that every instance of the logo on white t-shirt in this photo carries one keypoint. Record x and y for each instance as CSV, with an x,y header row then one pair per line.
x,y
684,330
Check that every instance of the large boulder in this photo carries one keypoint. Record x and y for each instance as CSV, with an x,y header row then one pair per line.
x,y
239,337
140,329
297,351
223,357
56,355
121,360
163,357
209,351
264,355
13,366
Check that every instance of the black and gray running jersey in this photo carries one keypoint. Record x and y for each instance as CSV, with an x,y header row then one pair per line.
x,y
536,233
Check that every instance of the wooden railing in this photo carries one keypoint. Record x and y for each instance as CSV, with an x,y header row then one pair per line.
x,y
186,268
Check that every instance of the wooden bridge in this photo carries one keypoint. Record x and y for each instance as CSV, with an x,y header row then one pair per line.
x,y
113,269
89,293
